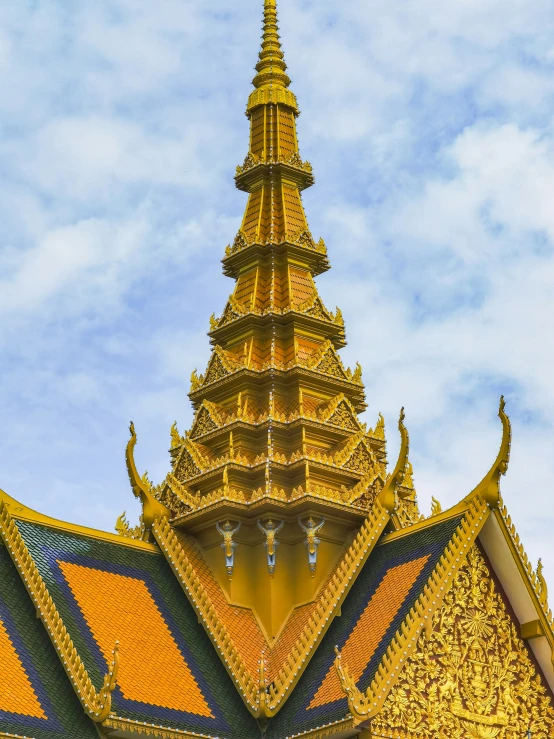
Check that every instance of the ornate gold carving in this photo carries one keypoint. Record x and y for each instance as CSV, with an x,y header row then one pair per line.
x,y
436,507
534,578
204,422
97,703
542,589
176,438
364,706
361,460
340,412
141,728
186,467
388,495
379,432
472,677
142,489
123,528
314,307
305,239
295,160
216,369
250,161
196,381
177,497
327,361
364,493
489,487
239,244
407,509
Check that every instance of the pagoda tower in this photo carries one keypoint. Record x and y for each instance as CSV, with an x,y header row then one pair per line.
x,y
276,435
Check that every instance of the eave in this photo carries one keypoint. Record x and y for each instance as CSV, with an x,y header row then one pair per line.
x,y
240,260
518,580
320,380
251,320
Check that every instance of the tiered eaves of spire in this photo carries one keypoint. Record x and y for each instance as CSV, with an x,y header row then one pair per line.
x,y
276,409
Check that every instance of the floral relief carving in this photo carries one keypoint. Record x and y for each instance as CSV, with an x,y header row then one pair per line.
x,y
361,460
186,467
343,417
330,364
204,423
472,678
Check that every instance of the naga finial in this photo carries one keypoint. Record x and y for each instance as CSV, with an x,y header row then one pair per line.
x,y
489,487
543,588
387,496
176,439
152,509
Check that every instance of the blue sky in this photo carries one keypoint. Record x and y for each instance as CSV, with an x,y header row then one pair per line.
x,y
431,131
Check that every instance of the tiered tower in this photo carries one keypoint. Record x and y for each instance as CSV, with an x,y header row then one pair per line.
x,y
276,434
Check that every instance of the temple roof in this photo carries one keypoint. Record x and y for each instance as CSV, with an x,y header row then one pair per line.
x,y
281,576
36,699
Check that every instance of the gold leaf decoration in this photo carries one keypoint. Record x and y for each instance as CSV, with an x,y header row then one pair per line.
x,y
473,676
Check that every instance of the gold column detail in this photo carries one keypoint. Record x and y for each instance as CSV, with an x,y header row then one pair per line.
x,y
97,703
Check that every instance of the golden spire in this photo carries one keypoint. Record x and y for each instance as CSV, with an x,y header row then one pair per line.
x,y
272,81
271,68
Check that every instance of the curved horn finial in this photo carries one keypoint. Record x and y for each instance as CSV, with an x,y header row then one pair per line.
x,y
387,496
151,508
489,487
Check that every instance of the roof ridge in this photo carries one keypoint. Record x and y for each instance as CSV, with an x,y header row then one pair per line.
x,y
19,511
203,604
328,603
97,703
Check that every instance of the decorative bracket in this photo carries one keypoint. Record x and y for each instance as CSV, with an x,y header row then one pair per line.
x,y
271,529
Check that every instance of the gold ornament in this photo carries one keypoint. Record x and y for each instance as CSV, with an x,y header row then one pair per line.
x,y
473,676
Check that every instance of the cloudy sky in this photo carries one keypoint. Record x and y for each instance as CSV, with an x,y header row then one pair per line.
x,y
431,131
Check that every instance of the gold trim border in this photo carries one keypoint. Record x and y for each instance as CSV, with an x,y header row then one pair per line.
x,y
259,698
117,723
97,704
364,706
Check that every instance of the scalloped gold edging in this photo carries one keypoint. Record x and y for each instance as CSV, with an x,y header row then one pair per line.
x,y
97,704
202,603
138,727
